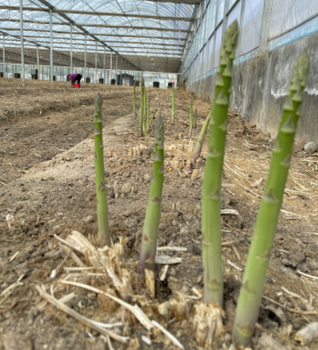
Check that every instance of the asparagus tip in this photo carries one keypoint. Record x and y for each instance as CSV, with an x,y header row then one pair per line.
x,y
98,103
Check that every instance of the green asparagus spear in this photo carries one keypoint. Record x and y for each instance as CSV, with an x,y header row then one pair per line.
x,y
173,105
148,113
151,224
150,121
102,213
266,223
142,106
191,118
211,190
199,144
195,119
134,100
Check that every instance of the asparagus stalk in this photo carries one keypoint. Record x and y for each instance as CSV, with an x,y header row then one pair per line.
x,y
150,121
173,105
102,213
266,223
211,190
141,112
148,114
191,118
134,99
199,144
151,224
145,126
195,119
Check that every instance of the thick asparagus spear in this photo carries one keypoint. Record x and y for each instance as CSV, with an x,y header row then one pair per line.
x,y
266,223
211,190
173,105
102,213
195,119
151,224
199,144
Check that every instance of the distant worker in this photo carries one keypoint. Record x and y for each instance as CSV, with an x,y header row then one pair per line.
x,y
75,78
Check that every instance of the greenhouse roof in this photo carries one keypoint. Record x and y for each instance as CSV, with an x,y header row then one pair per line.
x,y
134,29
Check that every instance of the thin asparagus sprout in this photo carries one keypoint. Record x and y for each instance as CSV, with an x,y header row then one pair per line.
x,y
266,223
151,224
102,212
141,111
191,118
199,144
145,126
151,119
148,113
195,119
211,190
173,105
134,100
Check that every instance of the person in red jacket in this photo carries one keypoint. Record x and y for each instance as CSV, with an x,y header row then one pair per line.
x,y
75,78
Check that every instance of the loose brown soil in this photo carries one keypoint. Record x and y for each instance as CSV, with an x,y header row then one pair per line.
x,y
47,188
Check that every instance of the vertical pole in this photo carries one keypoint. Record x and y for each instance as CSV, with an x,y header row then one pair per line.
x,y
116,67
266,22
51,48
239,39
38,61
85,58
22,44
111,66
104,65
71,48
96,63
71,52
4,55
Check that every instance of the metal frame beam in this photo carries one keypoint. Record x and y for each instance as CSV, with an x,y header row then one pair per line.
x,y
100,25
98,13
100,34
112,42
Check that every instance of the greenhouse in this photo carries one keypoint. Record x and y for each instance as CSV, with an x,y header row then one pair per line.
x,y
158,174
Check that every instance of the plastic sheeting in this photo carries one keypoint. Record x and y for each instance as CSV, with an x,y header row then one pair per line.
x,y
218,44
220,10
211,43
235,14
287,14
252,24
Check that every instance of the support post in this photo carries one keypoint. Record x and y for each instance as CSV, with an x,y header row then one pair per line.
x,y
96,80
239,39
71,47
51,47
38,61
104,65
85,57
4,56
22,43
111,67
265,22
116,67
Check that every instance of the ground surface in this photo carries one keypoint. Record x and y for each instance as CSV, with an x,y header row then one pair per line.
x,y
47,188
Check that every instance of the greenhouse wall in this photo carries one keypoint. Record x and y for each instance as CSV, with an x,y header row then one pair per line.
x,y
273,34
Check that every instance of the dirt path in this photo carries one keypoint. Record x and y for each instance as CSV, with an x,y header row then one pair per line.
x,y
48,188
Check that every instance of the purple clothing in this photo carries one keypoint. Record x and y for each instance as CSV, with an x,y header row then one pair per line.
x,y
72,77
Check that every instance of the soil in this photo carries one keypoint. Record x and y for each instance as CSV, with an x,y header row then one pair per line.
x,y
47,189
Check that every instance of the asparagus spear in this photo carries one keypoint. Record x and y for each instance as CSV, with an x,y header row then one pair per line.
x,y
148,114
266,223
195,119
102,213
134,99
151,224
141,114
150,121
191,118
199,144
173,105
211,190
